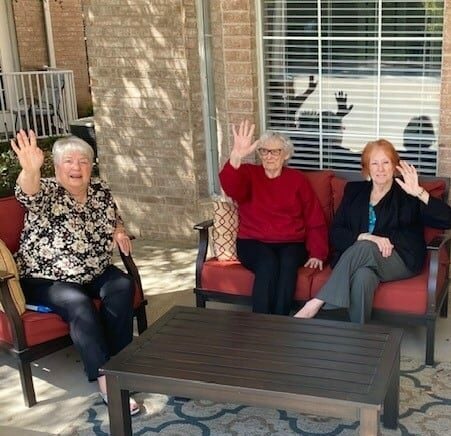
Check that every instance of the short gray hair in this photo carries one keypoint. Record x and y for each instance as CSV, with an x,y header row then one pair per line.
x,y
270,136
68,144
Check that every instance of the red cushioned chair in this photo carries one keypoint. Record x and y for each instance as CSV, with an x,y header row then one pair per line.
x,y
33,335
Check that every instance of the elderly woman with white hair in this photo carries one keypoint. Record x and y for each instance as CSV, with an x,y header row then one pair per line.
x,y
281,223
65,253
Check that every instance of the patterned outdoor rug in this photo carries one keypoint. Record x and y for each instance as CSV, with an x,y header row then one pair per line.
x,y
425,409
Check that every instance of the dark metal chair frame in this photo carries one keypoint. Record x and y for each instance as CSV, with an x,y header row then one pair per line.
x,y
24,354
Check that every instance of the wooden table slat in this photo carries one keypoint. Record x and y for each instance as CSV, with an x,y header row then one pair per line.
x,y
245,365
212,375
352,346
331,361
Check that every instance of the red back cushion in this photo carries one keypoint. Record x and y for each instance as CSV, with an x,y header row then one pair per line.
x,y
436,188
338,188
320,181
11,222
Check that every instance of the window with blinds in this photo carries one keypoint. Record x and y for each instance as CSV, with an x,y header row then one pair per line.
x,y
338,74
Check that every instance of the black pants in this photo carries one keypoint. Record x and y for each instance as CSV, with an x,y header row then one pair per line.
x,y
97,335
275,266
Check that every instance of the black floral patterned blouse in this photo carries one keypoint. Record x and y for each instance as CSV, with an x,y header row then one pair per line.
x,y
62,239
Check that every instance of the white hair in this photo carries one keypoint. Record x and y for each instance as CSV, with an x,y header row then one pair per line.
x,y
71,143
285,142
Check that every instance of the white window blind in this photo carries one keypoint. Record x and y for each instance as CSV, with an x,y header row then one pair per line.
x,y
338,74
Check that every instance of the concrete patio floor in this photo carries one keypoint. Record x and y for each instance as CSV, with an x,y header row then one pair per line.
x,y
62,390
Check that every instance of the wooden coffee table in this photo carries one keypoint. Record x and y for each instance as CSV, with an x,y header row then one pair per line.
x,y
312,366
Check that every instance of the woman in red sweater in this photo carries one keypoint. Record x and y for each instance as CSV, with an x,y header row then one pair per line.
x,y
281,223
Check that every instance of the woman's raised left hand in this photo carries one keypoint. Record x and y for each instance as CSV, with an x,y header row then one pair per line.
x,y
410,183
410,176
314,262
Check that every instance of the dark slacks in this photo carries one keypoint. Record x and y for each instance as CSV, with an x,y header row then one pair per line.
x,y
96,334
356,276
275,266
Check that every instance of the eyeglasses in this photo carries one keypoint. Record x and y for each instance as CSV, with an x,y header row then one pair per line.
x,y
266,151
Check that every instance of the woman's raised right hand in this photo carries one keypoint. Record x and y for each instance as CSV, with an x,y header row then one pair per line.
x,y
31,157
242,142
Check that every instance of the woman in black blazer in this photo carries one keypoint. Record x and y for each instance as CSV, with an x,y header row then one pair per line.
x,y
377,233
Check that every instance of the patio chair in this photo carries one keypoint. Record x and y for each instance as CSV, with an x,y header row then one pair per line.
x,y
28,335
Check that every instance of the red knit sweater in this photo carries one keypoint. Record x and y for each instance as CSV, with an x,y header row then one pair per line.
x,y
283,209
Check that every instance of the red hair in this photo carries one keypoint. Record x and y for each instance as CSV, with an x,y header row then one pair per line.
x,y
381,144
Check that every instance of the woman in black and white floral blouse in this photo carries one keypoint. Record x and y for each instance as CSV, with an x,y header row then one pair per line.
x,y
66,250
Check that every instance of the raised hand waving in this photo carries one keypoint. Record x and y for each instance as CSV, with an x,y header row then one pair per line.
x,y
242,142
31,157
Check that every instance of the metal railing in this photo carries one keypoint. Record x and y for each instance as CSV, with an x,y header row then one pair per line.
x,y
43,101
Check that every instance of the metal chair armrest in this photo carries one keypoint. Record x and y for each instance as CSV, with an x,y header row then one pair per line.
x,y
17,330
434,248
131,268
202,228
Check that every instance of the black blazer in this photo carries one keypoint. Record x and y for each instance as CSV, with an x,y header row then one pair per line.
x,y
399,217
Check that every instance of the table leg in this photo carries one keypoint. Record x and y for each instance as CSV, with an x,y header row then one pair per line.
x,y
118,408
391,402
369,422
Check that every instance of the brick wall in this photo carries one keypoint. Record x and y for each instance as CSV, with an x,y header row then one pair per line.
x,y
147,100
235,64
146,94
70,48
68,38
30,31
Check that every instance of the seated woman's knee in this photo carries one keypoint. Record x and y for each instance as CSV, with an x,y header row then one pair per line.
x,y
118,292
365,246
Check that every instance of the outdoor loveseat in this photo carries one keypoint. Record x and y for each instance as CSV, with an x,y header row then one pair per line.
x,y
415,301
29,335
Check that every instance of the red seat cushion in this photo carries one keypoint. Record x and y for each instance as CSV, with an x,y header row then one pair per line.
x,y
39,327
407,296
227,276
304,283
43,327
404,296
11,222
231,277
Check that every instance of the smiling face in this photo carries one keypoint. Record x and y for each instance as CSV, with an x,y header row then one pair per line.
x,y
73,172
273,156
381,168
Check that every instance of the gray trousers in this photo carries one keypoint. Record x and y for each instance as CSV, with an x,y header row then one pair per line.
x,y
356,276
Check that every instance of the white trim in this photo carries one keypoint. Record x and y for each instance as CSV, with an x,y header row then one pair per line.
x,y
260,72
9,59
208,94
49,33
